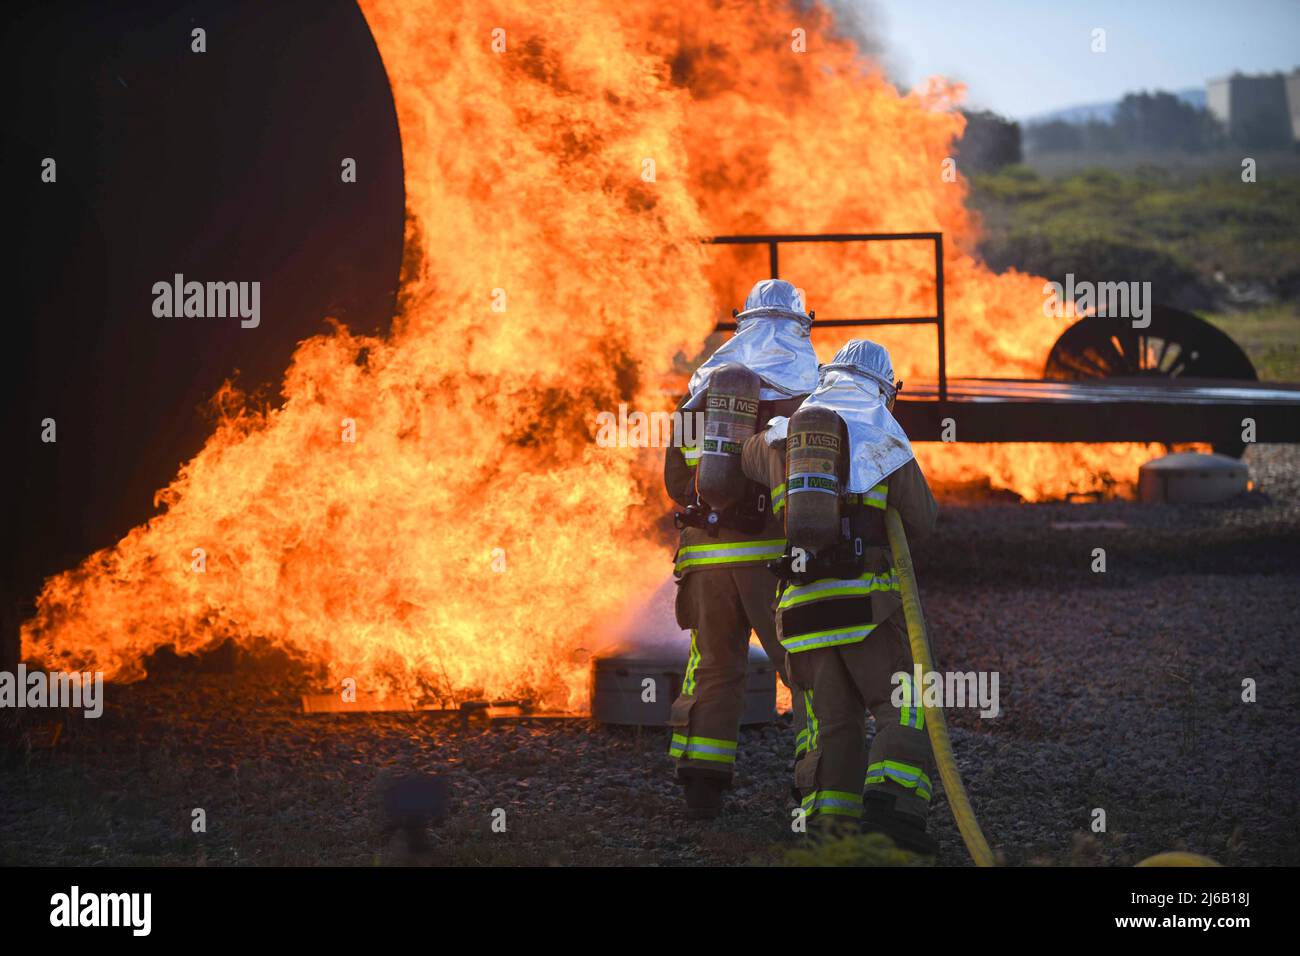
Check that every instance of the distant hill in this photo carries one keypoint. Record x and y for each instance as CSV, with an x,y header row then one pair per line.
x,y
1103,112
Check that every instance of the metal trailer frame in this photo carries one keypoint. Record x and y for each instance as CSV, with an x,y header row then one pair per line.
x,y
773,242
1057,410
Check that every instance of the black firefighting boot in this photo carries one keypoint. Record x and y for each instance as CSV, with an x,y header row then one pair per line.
x,y
905,829
703,793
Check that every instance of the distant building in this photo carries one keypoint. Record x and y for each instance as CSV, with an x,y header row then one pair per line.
x,y
1293,100
1262,109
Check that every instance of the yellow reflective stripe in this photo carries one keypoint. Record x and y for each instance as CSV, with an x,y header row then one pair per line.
x,y
877,497
733,546
827,588
814,728
736,559
912,713
778,497
833,802
703,748
845,795
903,774
707,742
691,454
830,638
692,661
733,553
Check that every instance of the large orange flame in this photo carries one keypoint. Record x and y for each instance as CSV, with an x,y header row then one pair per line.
x,y
473,538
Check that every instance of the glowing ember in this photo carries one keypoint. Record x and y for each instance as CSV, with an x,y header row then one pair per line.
x,y
529,188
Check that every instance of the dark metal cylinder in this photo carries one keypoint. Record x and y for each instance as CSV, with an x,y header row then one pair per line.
x,y
730,417
814,453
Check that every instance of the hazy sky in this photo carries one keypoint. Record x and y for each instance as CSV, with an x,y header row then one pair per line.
x,y
1021,57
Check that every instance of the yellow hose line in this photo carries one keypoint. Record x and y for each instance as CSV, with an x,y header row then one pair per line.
x,y
952,785
1177,858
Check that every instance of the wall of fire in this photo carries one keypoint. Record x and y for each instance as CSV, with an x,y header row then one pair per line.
x,y
225,168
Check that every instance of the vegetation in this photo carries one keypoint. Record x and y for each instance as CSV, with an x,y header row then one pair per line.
x,y
851,849
1205,239
988,143
1158,120
1270,335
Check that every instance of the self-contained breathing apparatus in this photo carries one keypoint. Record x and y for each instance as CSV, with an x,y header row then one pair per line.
x,y
748,516
725,498
828,532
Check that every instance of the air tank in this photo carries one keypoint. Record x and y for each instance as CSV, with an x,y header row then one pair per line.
x,y
814,461
730,417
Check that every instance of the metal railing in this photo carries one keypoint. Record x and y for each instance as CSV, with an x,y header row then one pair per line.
x,y
773,242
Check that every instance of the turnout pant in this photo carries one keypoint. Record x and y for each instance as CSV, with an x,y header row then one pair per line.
x,y
720,606
840,684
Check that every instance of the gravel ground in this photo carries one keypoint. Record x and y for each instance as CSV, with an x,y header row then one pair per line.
x,y
1119,691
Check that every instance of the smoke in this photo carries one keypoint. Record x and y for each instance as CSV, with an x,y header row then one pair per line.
x,y
863,22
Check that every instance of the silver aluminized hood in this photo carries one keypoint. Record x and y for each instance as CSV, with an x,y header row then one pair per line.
x,y
857,385
771,340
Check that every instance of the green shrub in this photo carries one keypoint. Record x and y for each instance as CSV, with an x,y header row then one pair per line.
x,y
1178,230
873,849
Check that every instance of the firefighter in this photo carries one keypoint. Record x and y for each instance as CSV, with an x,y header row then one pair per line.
x,y
724,586
839,609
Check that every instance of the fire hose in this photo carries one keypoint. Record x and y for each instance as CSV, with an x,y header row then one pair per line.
x,y
971,834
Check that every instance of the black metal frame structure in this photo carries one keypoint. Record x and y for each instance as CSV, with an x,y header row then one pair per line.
x,y
773,242
1054,410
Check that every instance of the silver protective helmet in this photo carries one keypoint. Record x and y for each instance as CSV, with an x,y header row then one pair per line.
x,y
864,357
777,299
772,340
858,385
